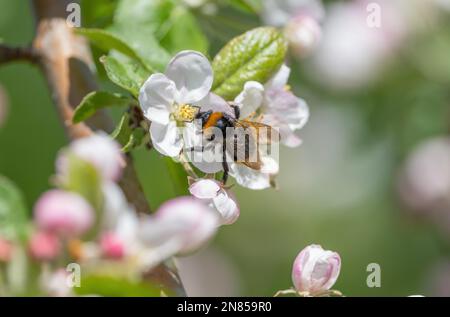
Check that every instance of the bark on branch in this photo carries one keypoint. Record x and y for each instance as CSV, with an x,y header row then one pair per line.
x,y
12,54
65,59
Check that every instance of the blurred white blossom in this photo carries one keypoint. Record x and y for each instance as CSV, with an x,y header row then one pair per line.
x,y
300,20
100,150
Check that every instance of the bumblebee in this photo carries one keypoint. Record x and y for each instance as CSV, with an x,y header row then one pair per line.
x,y
242,146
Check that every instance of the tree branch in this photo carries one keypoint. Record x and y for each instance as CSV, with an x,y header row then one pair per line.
x,y
12,54
66,62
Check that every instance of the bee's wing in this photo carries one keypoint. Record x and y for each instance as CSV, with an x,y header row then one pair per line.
x,y
263,133
243,145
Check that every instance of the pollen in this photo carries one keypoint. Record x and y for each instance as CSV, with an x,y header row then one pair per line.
x,y
185,112
287,88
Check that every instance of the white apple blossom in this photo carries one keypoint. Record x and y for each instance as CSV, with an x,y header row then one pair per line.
x,y
217,197
172,99
275,105
279,107
181,225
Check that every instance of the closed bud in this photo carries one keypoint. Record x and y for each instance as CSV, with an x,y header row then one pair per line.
x,y
64,213
303,34
315,270
44,246
112,246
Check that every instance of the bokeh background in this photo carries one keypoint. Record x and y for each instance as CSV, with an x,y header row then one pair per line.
x,y
373,101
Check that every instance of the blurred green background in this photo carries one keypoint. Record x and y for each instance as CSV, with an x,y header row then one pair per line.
x,y
336,190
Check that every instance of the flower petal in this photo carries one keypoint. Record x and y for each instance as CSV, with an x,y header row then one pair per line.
x,y
166,139
156,98
183,222
204,189
216,104
227,206
269,165
249,178
192,74
280,79
250,99
300,115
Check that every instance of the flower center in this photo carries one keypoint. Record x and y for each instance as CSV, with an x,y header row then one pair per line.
x,y
185,112
287,88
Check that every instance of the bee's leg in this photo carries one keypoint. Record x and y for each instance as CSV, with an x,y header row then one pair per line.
x,y
236,109
224,163
195,149
225,173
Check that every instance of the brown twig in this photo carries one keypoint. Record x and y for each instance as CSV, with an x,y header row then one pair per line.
x,y
66,62
13,54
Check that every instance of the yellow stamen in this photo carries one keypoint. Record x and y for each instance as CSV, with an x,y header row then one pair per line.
x,y
287,88
185,112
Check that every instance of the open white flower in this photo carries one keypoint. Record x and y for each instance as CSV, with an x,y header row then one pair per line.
x,y
217,197
275,105
279,107
172,99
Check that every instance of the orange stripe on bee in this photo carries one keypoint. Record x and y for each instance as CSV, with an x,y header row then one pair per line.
x,y
212,120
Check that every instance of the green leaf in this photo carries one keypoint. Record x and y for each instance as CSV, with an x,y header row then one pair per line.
x,y
128,74
178,176
108,41
13,213
98,13
123,131
129,137
84,179
97,100
115,287
151,13
137,138
144,43
255,55
183,33
247,6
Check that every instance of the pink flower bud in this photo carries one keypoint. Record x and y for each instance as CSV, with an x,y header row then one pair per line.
x,y
64,213
180,225
6,249
44,246
315,270
99,150
303,34
112,246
